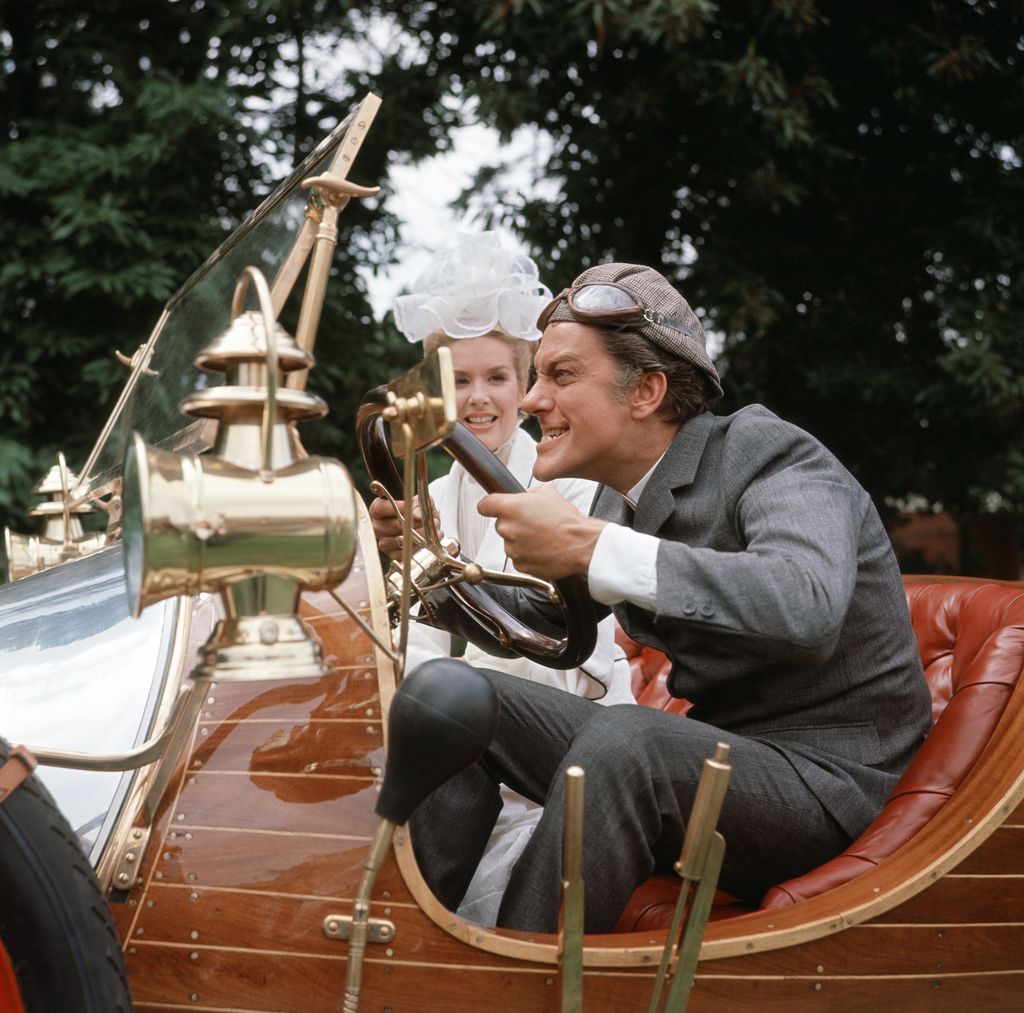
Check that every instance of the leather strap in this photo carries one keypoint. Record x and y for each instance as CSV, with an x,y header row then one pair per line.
x,y
20,763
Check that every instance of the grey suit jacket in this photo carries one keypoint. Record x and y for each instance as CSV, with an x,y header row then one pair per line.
x,y
780,605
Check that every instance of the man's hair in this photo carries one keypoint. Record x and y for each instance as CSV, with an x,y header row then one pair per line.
x,y
687,391
522,350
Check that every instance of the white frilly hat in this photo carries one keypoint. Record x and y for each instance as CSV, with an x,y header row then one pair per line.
x,y
471,289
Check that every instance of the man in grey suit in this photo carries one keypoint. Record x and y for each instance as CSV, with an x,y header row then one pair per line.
x,y
740,547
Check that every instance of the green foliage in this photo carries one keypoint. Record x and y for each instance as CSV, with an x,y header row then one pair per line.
x,y
137,137
834,186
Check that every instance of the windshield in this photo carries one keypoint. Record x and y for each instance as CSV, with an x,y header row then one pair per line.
x,y
277,239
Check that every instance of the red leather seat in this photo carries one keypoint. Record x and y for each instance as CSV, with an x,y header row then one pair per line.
x,y
971,638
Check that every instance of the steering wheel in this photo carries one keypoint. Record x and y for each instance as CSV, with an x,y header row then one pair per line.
x,y
574,603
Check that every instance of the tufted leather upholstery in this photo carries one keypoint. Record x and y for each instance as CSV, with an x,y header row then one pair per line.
x,y
971,638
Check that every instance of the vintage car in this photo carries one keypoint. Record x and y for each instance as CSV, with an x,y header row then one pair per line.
x,y
212,693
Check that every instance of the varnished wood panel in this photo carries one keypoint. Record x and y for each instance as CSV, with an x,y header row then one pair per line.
x,y
271,826
349,693
328,804
303,864
263,982
890,950
963,899
928,994
1001,855
313,746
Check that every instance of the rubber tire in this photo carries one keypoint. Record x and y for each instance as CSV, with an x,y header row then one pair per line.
x,y
54,922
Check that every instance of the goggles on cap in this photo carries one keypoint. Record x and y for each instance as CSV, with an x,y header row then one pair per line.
x,y
612,305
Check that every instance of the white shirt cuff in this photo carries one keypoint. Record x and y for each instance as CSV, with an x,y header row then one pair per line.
x,y
624,567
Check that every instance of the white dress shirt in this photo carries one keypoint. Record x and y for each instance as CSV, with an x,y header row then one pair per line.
x,y
624,566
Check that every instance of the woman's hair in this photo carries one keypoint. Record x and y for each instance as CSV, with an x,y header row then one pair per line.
x,y
522,350
687,392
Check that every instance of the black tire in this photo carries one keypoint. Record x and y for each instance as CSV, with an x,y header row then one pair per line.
x,y
54,923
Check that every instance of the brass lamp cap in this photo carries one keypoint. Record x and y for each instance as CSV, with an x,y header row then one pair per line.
x,y
245,340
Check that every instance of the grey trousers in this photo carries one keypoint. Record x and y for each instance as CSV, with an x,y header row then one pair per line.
x,y
642,767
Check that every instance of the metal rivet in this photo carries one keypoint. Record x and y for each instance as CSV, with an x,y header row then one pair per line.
x,y
817,986
193,956
193,934
821,969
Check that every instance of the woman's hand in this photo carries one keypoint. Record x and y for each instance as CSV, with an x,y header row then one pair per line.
x,y
387,525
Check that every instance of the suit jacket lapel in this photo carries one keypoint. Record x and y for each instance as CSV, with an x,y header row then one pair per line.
x,y
677,469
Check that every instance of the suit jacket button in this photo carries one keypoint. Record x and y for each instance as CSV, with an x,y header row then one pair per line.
x,y
707,611
689,608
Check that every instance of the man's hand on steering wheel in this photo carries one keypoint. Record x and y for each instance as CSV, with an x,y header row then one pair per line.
x,y
544,534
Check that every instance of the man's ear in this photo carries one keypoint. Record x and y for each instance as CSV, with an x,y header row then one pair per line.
x,y
646,397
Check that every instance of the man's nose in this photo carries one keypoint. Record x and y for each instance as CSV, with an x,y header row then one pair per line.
x,y
535,400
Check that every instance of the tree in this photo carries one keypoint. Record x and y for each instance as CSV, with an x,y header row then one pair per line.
x,y
830,184
137,136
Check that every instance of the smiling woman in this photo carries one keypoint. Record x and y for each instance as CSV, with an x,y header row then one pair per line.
x,y
481,301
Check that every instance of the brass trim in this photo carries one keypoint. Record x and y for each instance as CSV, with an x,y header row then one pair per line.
x,y
285,279
188,631
129,858
379,930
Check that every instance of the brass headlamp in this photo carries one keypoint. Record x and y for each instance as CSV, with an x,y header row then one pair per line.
x,y
254,519
62,538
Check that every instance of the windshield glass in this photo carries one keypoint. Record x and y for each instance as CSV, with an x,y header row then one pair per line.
x,y
277,239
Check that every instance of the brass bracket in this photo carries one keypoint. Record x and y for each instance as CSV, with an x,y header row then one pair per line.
x,y
380,930
423,397
126,871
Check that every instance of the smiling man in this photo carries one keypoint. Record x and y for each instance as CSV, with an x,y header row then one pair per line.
x,y
740,547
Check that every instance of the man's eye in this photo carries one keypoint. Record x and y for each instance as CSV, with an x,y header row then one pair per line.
x,y
561,375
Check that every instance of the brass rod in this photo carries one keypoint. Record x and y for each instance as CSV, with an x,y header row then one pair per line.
x,y
409,495
570,921
693,857
666,953
131,759
361,914
697,919
327,235
707,804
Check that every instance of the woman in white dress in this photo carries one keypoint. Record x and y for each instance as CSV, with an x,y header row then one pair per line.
x,y
482,301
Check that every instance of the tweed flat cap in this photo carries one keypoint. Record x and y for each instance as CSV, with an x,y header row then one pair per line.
x,y
653,292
